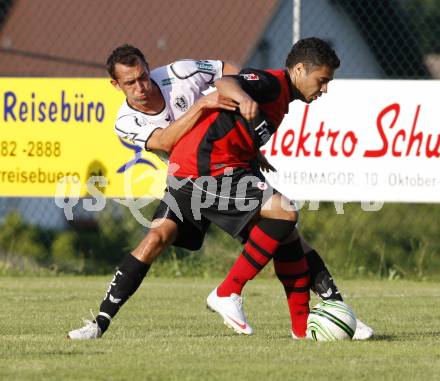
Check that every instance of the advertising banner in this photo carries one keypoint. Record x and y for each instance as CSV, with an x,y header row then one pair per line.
x,y
53,129
366,140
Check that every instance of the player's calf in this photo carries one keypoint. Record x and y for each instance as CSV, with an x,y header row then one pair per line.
x,y
125,282
292,270
263,242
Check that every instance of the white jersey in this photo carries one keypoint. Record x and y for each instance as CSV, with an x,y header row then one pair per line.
x,y
181,84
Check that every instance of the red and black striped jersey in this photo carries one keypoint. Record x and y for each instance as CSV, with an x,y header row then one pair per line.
x,y
221,140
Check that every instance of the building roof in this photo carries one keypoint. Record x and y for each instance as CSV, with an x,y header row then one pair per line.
x,y
74,37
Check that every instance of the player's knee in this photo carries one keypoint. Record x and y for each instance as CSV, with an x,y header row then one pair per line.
x,y
278,212
288,215
157,239
291,216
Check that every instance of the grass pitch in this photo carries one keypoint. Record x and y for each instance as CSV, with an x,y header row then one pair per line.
x,y
165,333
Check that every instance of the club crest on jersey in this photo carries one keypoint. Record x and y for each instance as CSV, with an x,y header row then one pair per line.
x,y
250,77
181,103
139,120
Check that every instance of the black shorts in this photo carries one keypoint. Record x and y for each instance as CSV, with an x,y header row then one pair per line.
x,y
230,201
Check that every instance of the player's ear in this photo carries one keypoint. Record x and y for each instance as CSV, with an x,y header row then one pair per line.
x,y
115,83
299,68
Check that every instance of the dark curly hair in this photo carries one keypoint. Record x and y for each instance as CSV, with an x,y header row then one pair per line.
x,y
312,52
126,55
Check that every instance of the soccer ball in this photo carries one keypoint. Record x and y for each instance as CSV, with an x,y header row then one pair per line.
x,y
331,320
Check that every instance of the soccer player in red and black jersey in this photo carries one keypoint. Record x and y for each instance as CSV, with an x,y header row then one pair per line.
x,y
289,263
211,178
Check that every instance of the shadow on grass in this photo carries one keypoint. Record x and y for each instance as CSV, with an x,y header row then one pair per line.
x,y
72,353
384,338
408,336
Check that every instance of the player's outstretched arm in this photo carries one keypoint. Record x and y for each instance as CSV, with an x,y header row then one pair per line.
x,y
228,87
165,139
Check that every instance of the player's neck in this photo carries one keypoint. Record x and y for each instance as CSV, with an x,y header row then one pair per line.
x,y
295,92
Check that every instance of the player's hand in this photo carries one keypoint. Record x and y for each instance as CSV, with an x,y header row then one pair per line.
x,y
215,100
248,107
264,164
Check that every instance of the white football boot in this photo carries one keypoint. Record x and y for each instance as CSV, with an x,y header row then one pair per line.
x,y
90,331
231,310
363,331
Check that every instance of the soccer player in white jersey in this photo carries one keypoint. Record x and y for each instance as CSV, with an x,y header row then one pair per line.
x,y
160,107
155,101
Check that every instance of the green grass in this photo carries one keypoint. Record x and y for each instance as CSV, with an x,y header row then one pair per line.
x,y
165,333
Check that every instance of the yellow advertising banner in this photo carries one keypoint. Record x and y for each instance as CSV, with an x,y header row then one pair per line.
x,y
63,128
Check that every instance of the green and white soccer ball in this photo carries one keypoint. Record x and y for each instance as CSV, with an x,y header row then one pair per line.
x,y
331,320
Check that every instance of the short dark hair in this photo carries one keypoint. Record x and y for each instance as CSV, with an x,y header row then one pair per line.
x,y
312,52
126,55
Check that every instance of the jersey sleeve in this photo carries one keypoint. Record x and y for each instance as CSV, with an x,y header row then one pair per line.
x,y
262,86
130,127
202,73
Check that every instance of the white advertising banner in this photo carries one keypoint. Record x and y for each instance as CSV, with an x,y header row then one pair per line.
x,y
366,140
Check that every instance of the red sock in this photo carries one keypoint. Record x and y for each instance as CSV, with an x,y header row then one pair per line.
x,y
262,244
294,275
